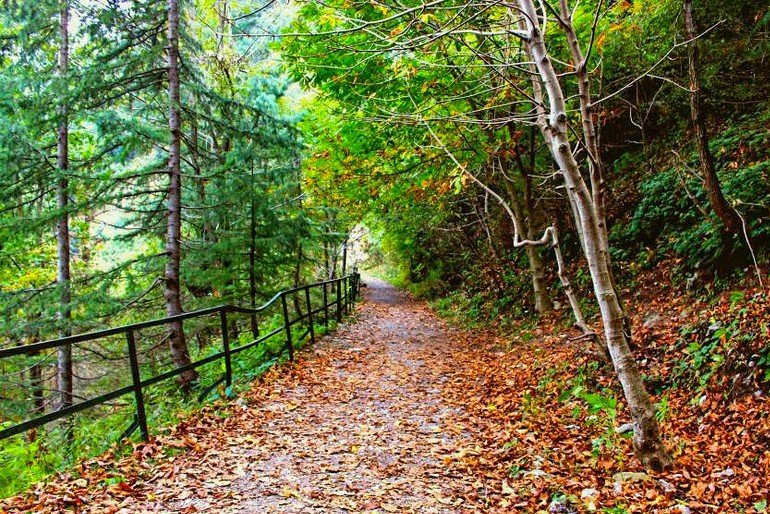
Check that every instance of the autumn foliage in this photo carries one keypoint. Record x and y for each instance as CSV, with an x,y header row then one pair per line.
x,y
400,412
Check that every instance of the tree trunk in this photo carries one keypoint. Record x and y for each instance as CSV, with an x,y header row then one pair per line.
x,y
326,260
648,445
590,136
64,381
253,256
537,271
727,215
172,292
297,278
536,267
344,258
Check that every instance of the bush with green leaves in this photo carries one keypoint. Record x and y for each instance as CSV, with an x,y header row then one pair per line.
x,y
673,217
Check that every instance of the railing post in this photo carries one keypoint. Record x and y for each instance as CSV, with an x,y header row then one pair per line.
x,y
339,300
347,294
309,314
254,326
358,285
288,326
326,306
141,415
226,348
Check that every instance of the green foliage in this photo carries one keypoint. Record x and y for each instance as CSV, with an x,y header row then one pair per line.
x,y
274,178
24,462
667,220
249,212
616,510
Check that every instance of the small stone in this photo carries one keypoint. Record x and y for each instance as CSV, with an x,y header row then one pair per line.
x,y
537,473
680,509
561,507
667,486
630,476
651,320
726,473
624,428
589,497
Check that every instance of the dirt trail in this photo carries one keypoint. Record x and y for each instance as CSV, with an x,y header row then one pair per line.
x,y
398,412
360,424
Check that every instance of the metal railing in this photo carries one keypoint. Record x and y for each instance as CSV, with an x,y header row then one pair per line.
x,y
339,296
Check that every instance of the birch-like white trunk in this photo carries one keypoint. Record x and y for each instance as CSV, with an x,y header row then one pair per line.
x,y
647,441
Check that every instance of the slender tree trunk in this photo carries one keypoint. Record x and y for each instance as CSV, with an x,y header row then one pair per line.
x,y
647,441
537,271
62,226
727,215
36,370
36,383
253,256
326,260
536,268
333,265
529,229
590,137
300,256
297,278
172,290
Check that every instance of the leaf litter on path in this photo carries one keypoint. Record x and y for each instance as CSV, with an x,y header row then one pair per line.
x,y
399,412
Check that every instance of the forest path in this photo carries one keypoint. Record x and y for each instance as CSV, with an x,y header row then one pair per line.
x,y
363,422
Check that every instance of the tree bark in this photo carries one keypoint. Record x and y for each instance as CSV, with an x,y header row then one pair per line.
x,y
536,267
648,445
727,215
536,264
172,291
253,255
297,278
590,135
64,372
